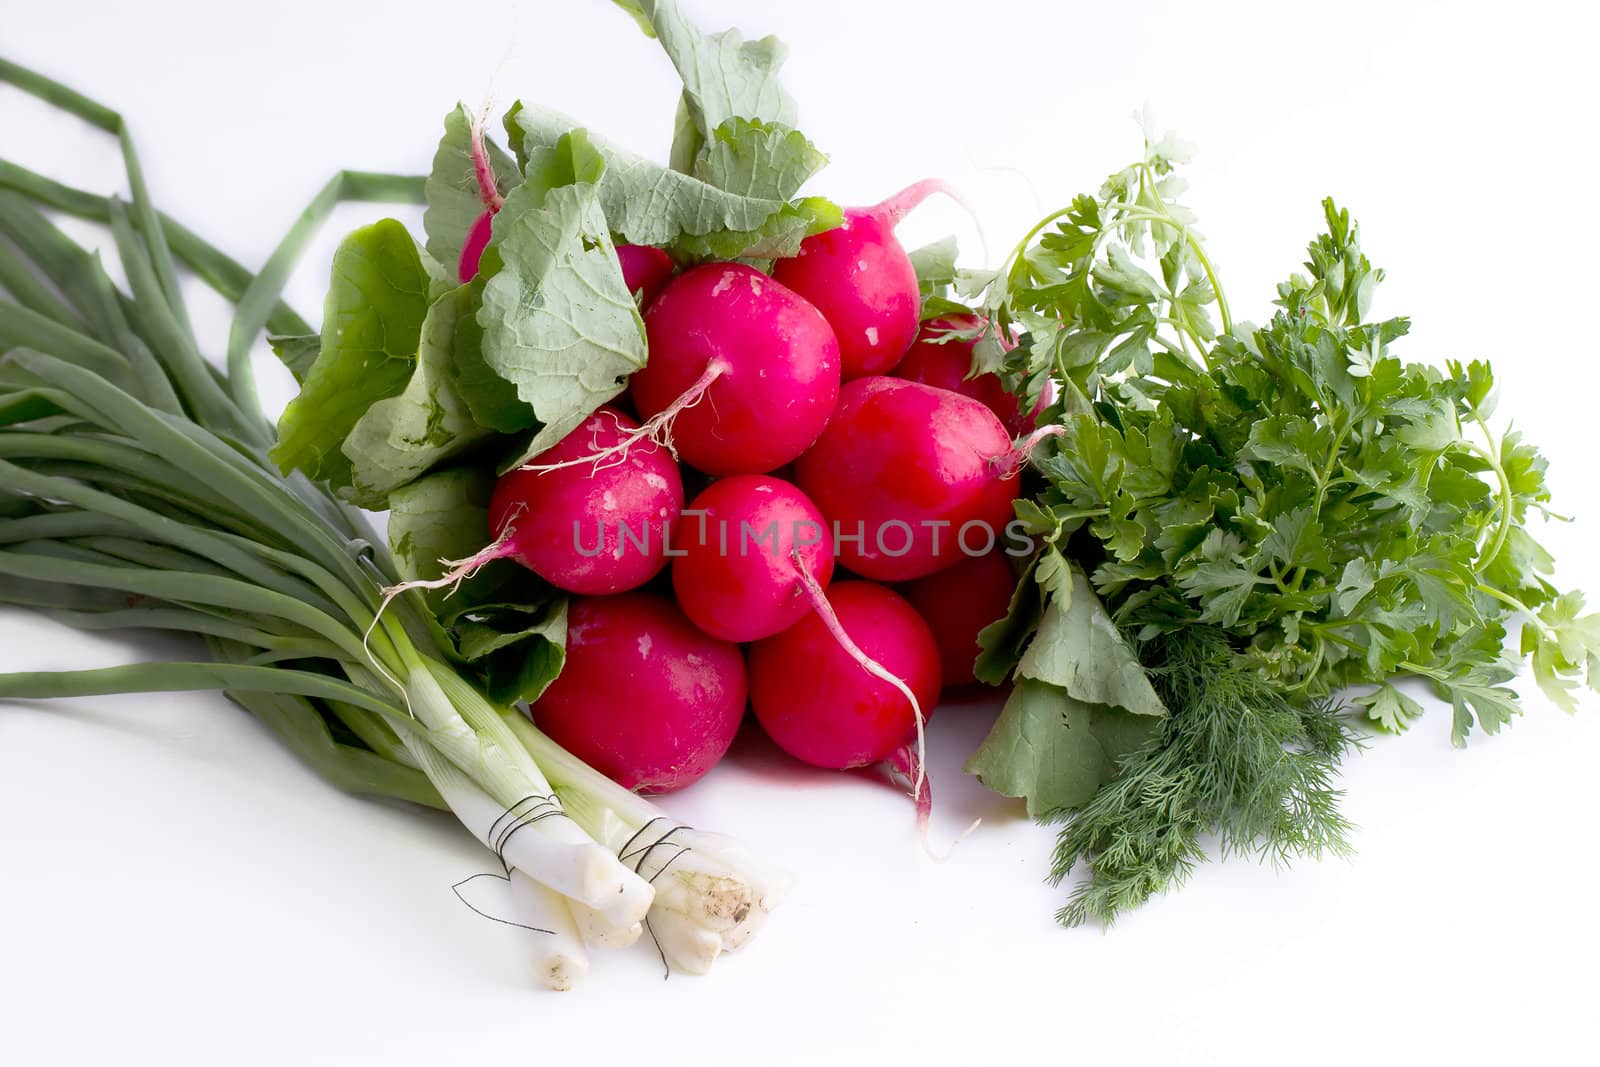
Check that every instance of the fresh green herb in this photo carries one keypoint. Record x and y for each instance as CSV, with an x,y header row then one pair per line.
x,y
1237,760
1331,517
1081,702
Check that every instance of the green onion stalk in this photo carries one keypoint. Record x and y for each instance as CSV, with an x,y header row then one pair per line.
x,y
136,492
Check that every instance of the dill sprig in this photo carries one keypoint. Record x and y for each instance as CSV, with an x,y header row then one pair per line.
x,y
1235,758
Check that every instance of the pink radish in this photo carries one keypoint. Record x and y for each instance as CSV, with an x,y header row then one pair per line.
x,y
591,531
737,577
596,530
948,364
482,228
756,559
957,603
644,697
820,703
646,270
860,278
913,477
742,373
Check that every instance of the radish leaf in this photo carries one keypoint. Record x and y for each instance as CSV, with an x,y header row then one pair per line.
x,y
646,203
724,76
400,438
1082,701
454,202
371,327
558,320
759,160
1053,750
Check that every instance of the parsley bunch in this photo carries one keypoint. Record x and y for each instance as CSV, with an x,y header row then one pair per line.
x,y
1301,515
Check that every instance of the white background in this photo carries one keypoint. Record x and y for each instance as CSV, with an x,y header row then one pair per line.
x,y
175,888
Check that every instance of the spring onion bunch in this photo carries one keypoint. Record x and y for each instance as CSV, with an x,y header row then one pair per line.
x,y
136,492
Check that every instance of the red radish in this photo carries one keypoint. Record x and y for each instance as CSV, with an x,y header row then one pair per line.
x,y
821,704
922,475
737,577
644,697
742,374
948,364
957,603
646,270
483,226
595,531
860,278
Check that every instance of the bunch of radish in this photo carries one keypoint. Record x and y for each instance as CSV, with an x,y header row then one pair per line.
x,y
774,396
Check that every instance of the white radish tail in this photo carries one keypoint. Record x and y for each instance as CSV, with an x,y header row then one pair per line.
x,y
656,429
481,167
824,610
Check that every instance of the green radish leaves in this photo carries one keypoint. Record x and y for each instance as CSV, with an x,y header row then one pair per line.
x,y
724,77
444,516
755,159
454,201
558,320
402,437
371,327
411,373
777,238
503,621
646,203
736,163
1081,702
296,352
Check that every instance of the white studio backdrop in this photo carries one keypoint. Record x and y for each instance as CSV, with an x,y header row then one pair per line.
x,y
175,888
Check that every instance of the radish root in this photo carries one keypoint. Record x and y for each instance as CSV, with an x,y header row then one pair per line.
x,y
904,762
458,570
916,772
1013,461
657,429
487,190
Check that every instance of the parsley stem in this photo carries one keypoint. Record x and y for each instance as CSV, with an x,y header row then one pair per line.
x,y
1316,665
1516,605
1425,672
1027,239
1192,240
1507,496
1324,480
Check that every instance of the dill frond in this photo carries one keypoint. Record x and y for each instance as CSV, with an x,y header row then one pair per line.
x,y
1236,758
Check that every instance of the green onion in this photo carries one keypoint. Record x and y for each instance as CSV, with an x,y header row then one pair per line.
x,y
136,491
